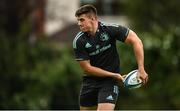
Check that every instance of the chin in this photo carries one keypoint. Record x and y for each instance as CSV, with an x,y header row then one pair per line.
x,y
83,30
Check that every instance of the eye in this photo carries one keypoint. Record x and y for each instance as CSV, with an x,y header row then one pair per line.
x,y
81,19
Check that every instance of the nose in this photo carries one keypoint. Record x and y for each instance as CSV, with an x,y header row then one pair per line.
x,y
79,23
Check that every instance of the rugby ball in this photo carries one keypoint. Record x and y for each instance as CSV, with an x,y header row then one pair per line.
x,y
131,81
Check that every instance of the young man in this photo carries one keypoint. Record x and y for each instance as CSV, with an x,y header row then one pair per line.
x,y
95,50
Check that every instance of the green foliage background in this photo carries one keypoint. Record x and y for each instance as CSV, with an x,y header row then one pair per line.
x,y
156,23
44,75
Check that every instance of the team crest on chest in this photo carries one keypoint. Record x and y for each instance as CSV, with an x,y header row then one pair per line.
x,y
104,37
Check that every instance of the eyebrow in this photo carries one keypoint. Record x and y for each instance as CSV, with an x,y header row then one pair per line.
x,y
80,18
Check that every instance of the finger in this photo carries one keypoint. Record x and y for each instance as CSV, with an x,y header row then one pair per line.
x,y
138,77
146,79
143,80
124,76
139,80
120,78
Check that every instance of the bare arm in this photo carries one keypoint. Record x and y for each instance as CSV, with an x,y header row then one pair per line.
x,y
134,40
95,71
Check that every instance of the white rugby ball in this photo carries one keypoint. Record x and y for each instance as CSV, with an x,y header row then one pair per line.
x,y
131,81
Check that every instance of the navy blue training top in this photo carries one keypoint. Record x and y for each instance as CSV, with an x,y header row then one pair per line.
x,y
101,49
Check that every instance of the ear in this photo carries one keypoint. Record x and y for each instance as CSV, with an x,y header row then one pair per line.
x,y
93,18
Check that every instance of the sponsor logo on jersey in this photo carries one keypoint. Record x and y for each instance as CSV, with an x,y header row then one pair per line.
x,y
100,50
97,46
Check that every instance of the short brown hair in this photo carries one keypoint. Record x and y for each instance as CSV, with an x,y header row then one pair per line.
x,y
86,9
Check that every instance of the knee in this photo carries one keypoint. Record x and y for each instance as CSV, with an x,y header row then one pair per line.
x,y
105,106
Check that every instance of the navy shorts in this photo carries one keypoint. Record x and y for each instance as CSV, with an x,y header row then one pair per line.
x,y
98,90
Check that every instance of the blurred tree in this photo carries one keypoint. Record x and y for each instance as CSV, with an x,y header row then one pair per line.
x,y
33,73
43,75
146,15
157,23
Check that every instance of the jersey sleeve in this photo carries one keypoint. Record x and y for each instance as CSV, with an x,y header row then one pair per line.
x,y
119,32
80,51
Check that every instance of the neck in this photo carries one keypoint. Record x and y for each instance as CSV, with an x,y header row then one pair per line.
x,y
94,28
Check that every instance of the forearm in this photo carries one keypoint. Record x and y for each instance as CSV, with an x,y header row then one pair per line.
x,y
95,71
139,54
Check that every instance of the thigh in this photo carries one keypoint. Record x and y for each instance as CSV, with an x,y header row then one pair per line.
x,y
108,93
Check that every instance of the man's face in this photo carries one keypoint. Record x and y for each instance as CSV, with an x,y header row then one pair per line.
x,y
85,23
